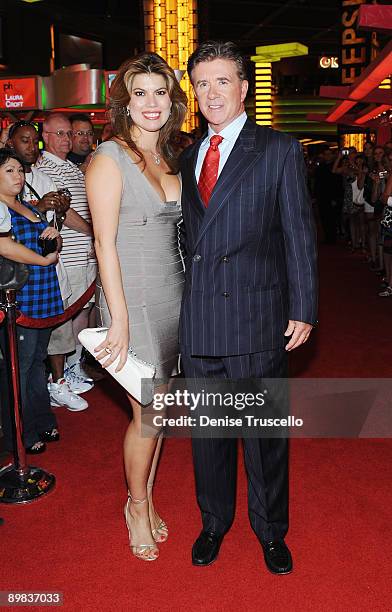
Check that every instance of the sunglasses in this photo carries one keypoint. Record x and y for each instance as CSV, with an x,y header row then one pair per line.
x,y
83,133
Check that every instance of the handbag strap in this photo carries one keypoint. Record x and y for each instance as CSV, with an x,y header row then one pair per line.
x,y
56,221
33,191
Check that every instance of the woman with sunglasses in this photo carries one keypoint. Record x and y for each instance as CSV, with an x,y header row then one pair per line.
x,y
39,298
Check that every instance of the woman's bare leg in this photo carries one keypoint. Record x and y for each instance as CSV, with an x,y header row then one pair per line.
x,y
157,524
138,459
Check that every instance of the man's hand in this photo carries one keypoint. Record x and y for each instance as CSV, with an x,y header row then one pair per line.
x,y
54,201
63,203
300,333
48,202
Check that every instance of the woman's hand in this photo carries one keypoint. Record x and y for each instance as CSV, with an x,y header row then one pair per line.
x,y
52,258
116,344
49,233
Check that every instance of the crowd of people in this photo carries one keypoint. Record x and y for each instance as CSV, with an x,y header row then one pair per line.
x,y
50,186
45,209
353,192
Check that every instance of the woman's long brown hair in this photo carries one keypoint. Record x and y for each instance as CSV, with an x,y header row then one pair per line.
x,y
147,63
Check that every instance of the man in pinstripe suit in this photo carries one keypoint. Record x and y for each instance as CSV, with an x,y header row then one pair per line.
x,y
251,291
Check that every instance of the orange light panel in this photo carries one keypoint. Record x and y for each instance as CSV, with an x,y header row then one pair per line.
x,y
341,110
170,29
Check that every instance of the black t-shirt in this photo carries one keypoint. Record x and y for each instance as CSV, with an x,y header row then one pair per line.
x,y
75,158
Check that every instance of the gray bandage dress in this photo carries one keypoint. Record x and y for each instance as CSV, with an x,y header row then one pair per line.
x,y
151,266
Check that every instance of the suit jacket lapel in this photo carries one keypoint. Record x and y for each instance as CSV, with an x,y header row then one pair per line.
x,y
189,180
243,156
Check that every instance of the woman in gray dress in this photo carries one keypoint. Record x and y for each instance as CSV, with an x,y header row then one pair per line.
x,y
134,195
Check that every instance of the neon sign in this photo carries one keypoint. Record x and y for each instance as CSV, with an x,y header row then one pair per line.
x,y
18,94
328,62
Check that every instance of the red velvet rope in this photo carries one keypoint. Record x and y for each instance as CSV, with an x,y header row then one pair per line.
x,y
57,320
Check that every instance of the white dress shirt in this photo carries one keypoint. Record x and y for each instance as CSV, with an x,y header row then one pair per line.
x,y
229,134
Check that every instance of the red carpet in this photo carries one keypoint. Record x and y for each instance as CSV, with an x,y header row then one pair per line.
x,y
75,540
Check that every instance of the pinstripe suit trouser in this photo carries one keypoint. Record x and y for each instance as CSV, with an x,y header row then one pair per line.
x,y
266,459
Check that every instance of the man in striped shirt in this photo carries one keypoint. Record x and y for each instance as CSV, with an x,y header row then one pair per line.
x,y
77,252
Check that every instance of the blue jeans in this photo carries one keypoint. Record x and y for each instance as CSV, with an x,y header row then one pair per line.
x,y
37,413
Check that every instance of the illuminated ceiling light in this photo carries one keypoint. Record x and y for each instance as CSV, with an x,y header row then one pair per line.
x,y
274,53
385,84
263,98
31,1
263,76
372,114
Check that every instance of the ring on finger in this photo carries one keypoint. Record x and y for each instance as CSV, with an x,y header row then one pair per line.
x,y
108,351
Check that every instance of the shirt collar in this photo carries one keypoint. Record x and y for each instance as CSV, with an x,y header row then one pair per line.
x,y
54,158
231,131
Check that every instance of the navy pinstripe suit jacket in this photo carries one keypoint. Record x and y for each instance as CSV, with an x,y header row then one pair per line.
x,y
250,258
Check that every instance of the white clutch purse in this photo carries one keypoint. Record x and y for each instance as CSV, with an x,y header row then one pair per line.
x,y
132,374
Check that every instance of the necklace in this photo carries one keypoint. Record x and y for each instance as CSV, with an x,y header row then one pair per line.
x,y
156,157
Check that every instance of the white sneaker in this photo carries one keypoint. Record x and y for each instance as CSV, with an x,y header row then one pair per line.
x,y
78,368
61,395
77,382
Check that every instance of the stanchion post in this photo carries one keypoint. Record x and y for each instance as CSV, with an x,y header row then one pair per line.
x,y
19,483
12,361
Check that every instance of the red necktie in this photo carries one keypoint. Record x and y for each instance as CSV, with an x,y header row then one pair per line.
x,y
209,171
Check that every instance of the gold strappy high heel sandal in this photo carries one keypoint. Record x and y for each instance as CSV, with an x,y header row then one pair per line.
x,y
161,532
145,552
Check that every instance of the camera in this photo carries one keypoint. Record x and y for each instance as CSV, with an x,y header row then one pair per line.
x,y
47,245
65,192
345,151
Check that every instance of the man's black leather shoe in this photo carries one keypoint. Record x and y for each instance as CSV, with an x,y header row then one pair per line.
x,y
277,557
206,548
